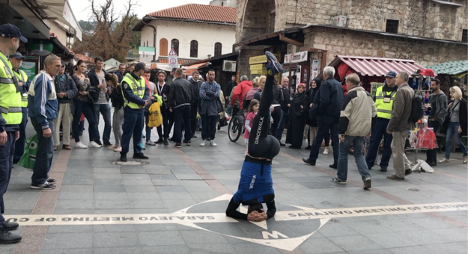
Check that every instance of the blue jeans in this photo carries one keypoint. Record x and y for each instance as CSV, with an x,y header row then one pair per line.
x,y
379,131
357,143
282,122
7,151
104,109
182,116
44,155
453,130
132,126
19,145
323,128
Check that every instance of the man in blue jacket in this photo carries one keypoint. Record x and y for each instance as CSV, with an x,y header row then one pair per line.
x,y
328,115
43,108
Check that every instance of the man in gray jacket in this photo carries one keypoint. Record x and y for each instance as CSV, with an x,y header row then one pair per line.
x,y
179,100
357,114
438,102
400,126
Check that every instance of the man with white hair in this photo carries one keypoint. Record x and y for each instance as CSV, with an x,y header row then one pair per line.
x,y
328,115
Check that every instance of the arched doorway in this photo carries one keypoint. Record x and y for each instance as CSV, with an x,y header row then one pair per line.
x,y
258,18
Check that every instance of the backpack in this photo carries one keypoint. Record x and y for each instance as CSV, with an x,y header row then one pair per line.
x,y
417,108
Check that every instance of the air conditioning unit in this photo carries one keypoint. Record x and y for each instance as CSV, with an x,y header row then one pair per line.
x,y
339,20
229,66
291,49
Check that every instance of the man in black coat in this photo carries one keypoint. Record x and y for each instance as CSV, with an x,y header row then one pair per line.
x,y
195,85
328,107
179,99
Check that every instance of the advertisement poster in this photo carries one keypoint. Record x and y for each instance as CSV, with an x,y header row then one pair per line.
x,y
314,69
30,69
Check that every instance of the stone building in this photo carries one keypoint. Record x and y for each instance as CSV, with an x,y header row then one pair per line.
x,y
426,31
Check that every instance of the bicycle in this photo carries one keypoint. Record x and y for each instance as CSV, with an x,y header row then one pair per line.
x,y
235,126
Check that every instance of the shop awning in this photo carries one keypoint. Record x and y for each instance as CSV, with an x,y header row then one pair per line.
x,y
451,68
194,67
19,14
372,66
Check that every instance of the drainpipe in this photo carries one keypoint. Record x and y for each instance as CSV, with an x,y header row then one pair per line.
x,y
154,37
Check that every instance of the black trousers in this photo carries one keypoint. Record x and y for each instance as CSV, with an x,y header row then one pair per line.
x,y
193,117
168,121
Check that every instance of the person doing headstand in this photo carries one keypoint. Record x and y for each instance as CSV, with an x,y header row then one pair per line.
x,y
256,183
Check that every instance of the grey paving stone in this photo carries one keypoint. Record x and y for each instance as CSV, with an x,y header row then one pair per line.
x,y
112,170
141,204
74,204
160,238
164,182
210,248
77,188
140,189
120,250
115,239
319,245
67,241
208,238
455,248
348,242
113,228
144,196
110,196
74,195
78,181
167,249
109,204
132,170
391,240
109,188
254,248
108,175
171,189
67,251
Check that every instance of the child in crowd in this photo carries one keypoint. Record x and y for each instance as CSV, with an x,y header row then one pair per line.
x,y
251,112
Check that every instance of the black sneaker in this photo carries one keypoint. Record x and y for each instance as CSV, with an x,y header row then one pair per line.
x,y
178,145
44,186
307,147
140,156
273,64
383,169
160,141
98,142
367,184
7,237
188,143
194,136
9,225
333,166
51,180
309,161
408,172
123,158
336,180
106,144
282,144
166,143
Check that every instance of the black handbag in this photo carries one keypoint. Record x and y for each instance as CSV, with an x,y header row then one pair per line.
x,y
219,105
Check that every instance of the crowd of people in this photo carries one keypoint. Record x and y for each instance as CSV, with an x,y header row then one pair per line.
x,y
57,103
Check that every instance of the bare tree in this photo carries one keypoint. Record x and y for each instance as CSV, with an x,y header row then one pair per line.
x,y
111,38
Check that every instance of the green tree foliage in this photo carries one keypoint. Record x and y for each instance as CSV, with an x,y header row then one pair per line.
x,y
109,35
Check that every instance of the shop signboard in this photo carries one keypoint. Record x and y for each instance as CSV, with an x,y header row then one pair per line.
x,y
29,68
256,68
297,57
260,59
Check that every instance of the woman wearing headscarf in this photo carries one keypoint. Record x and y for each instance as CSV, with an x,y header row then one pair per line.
x,y
312,93
298,115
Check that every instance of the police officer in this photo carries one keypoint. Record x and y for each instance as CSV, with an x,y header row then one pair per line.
x,y
136,96
383,102
10,119
16,60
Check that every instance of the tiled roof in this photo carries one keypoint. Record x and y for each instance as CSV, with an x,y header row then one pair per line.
x,y
201,12
84,58
372,66
450,68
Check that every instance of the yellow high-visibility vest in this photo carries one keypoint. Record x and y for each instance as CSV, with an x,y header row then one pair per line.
x,y
138,89
23,78
10,98
384,102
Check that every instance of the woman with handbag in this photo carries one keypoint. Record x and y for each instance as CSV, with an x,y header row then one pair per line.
x,y
457,123
83,104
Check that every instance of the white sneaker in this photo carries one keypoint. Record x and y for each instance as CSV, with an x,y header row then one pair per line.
x,y
212,143
325,151
118,149
80,145
202,143
94,144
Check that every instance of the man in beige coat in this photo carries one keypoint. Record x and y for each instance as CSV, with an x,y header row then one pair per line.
x,y
400,126
357,114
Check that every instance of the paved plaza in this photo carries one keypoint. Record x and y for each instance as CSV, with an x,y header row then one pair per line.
x,y
176,204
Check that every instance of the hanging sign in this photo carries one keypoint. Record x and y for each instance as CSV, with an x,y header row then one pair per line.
x,y
296,57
